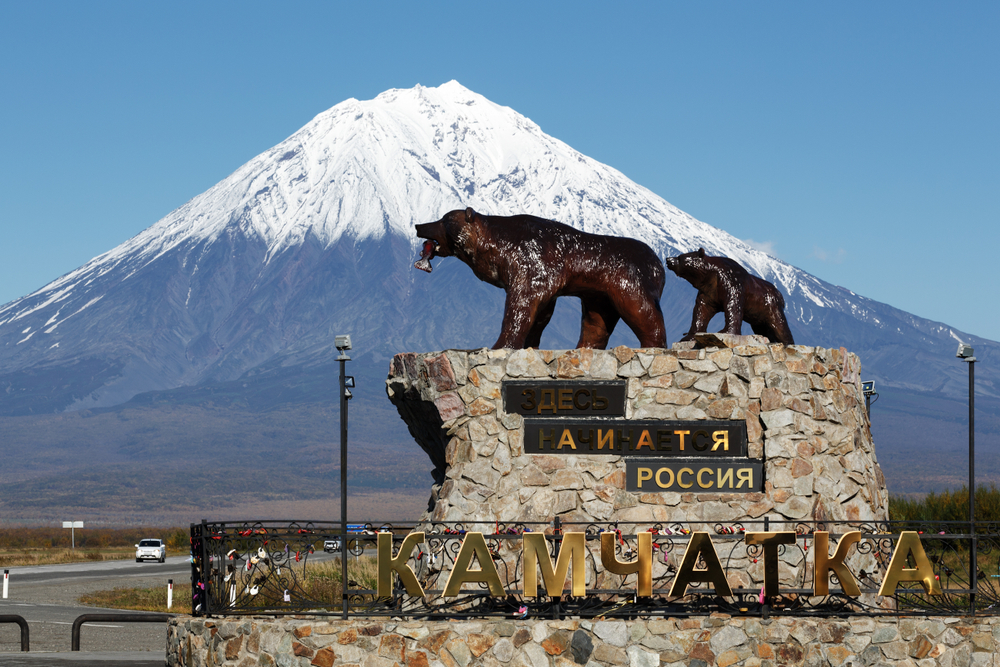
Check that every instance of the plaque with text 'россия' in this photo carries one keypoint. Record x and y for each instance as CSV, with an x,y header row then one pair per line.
x,y
534,398
621,437
694,476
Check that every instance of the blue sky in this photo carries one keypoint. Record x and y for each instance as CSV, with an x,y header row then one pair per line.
x,y
857,141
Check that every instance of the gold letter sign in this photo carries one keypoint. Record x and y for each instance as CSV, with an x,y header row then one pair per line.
x,y
536,555
909,546
700,544
387,565
824,563
770,542
474,544
641,566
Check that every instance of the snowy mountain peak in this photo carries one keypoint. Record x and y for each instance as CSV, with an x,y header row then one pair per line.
x,y
376,167
316,234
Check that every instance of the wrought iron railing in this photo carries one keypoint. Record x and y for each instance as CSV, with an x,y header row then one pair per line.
x,y
275,568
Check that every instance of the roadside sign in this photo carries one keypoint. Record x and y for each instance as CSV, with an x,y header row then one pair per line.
x,y
72,525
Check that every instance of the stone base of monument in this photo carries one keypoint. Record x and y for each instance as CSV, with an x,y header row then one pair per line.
x,y
708,640
725,436
802,408
717,435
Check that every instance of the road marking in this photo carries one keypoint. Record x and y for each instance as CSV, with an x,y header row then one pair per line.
x,y
89,625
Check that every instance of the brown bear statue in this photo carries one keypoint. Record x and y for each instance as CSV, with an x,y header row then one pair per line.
x,y
537,261
723,285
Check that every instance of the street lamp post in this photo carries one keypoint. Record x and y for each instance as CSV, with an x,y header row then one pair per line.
x,y
967,354
343,344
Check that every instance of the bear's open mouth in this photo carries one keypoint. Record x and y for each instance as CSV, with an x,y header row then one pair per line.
x,y
426,255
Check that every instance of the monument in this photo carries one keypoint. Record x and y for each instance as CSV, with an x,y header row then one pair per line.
x,y
715,434
642,506
536,261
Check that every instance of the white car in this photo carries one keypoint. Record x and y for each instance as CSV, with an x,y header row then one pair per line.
x,y
150,550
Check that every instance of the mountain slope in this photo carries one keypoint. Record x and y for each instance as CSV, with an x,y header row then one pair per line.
x,y
314,237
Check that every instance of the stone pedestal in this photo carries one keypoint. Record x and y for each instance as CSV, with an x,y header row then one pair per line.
x,y
802,406
715,640
806,429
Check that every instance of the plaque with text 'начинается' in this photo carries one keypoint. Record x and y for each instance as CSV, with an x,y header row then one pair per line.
x,y
621,437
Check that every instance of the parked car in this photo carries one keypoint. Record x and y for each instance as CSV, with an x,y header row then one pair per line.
x,y
332,546
150,549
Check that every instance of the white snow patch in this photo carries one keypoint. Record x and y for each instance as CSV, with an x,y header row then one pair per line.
x,y
807,293
56,296
86,305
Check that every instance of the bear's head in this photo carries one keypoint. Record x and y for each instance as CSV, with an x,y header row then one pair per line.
x,y
445,237
688,265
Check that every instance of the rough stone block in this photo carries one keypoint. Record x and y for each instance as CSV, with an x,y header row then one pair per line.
x,y
612,632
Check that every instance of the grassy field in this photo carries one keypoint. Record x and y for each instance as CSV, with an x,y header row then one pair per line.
x,y
20,557
51,546
141,599
322,582
952,505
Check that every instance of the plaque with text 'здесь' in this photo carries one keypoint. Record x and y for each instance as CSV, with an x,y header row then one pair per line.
x,y
534,398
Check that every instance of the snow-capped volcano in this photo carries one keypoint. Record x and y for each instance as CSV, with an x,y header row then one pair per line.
x,y
372,168
315,237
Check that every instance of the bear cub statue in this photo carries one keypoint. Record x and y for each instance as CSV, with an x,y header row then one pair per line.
x,y
723,285
537,261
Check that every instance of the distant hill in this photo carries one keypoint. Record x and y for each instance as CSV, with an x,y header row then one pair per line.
x,y
191,367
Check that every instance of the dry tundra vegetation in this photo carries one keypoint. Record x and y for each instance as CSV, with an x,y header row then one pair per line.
x,y
164,457
45,545
320,581
37,546
947,505
49,546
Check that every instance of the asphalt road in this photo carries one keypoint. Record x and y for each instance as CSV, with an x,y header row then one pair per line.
x,y
46,596
176,567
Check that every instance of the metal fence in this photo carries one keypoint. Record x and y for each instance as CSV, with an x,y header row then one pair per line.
x,y
273,568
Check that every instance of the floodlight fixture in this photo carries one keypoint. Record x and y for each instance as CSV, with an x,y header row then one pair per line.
x,y
342,342
965,352
868,389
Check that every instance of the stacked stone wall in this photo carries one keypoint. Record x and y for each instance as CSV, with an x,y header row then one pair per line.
x,y
715,641
802,406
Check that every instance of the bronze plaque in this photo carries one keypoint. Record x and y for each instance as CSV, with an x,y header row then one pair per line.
x,y
534,398
694,476
622,437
